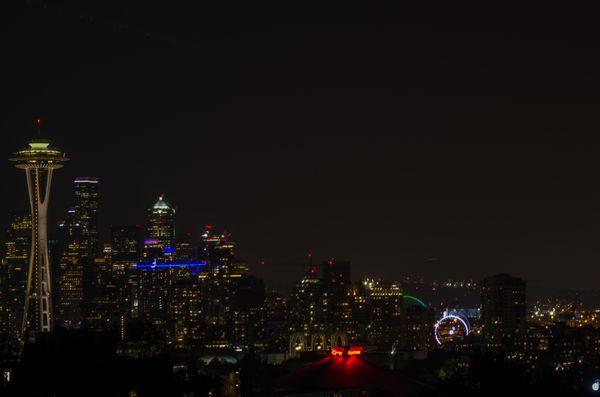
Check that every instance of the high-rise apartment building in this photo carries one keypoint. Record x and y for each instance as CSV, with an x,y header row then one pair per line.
x,y
13,272
503,309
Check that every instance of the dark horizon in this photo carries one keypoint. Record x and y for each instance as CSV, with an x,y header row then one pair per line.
x,y
445,143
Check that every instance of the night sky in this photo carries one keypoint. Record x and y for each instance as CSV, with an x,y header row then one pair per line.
x,y
443,141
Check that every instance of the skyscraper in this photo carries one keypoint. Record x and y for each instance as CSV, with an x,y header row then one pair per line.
x,y
125,248
160,230
13,275
70,272
384,312
86,212
39,161
503,308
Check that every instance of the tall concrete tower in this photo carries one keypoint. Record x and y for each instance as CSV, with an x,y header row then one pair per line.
x,y
39,161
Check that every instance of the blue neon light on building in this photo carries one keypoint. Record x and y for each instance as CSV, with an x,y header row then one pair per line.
x,y
168,250
193,266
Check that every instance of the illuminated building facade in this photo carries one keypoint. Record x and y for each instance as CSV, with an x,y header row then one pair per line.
x,y
77,272
183,330
86,203
503,309
277,322
102,304
125,242
39,161
184,249
160,230
13,273
309,304
86,212
384,308
170,300
70,272
231,299
158,246
326,303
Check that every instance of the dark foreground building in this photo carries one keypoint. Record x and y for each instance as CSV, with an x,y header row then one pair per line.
x,y
342,373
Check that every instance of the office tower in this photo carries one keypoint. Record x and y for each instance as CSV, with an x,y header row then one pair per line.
x,y
39,161
503,309
247,315
125,244
78,274
86,203
342,297
384,312
70,273
219,253
125,247
160,230
229,295
13,274
102,309
86,212
169,300
277,322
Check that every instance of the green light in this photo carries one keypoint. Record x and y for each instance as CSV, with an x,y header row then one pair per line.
x,y
412,298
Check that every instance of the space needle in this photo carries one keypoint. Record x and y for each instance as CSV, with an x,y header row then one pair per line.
x,y
39,161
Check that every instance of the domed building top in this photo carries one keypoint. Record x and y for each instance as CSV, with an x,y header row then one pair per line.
x,y
162,204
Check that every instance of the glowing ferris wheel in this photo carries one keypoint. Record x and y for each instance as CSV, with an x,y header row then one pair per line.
x,y
450,328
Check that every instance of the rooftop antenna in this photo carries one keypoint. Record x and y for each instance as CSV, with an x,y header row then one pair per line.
x,y
38,124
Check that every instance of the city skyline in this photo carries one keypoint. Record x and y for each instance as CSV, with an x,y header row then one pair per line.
x,y
290,266
287,200
453,179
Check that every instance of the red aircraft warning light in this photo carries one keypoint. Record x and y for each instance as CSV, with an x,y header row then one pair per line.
x,y
347,351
